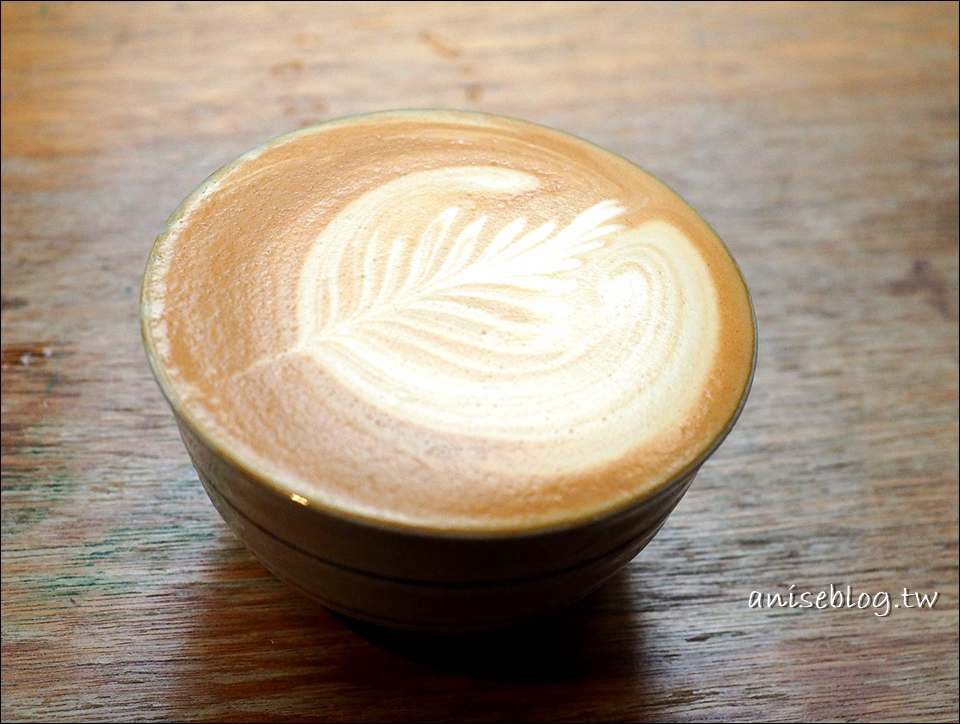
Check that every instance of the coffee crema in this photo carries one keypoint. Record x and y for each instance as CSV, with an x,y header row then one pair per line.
x,y
450,321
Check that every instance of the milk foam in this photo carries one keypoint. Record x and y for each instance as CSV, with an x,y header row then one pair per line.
x,y
512,329
466,341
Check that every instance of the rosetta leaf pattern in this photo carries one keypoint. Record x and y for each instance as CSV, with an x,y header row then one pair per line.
x,y
511,280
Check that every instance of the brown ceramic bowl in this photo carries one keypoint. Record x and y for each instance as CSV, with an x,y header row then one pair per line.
x,y
385,568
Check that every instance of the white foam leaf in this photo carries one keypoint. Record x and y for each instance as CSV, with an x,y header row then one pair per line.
x,y
502,282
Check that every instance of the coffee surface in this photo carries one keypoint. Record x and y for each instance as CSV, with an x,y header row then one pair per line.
x,y
448,320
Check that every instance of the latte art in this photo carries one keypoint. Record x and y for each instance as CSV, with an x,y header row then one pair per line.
x,y
446,320
488,330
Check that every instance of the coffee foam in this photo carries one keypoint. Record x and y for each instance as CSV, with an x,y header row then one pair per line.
x,y
449,320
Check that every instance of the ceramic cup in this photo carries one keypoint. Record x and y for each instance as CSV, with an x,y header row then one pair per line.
x,y
441,370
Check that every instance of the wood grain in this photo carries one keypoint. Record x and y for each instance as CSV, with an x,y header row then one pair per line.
x,y
819,140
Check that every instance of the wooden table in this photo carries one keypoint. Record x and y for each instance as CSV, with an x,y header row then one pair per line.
x,y
820,141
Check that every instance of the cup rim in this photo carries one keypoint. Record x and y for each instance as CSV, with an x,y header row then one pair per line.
x,y
278,486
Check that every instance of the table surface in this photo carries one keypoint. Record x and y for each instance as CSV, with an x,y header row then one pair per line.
x,y
820,141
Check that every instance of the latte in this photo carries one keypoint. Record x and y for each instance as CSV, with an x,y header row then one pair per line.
x,y
449,322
